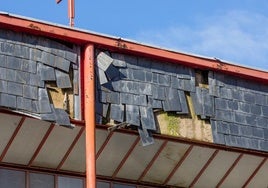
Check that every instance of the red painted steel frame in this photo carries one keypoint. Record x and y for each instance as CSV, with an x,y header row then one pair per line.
x,y
229,170
126,157
204,168
178,164
89,110
12,138
153,160
44,139
71,147
255,172
82,37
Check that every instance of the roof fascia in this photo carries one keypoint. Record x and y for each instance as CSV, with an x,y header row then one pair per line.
x,y
83,37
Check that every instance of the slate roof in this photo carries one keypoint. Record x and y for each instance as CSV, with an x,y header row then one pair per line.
x,y
135,86
27,62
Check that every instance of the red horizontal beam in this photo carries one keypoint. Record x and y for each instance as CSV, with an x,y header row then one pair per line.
x,y
83,37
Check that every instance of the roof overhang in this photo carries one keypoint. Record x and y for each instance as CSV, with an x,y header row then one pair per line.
x,y
32,144
83,37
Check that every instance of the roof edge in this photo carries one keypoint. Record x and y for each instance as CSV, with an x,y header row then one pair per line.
x,y
82,37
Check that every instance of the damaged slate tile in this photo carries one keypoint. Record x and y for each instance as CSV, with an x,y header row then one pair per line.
x,y
197,101
48,59
101,76
117,112
172,102
63,79
62,64
105,108
119,60
112,72
62,118
47,73
104,61
158,92
183,102
146,137
70,56
49,116
132,115
7,100
147,118
44,103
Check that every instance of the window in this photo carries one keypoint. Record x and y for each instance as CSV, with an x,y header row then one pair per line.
x,y
69,182
12,178
41,180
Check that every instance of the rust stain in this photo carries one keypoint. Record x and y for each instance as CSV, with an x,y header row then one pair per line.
x,y
121,44
32,26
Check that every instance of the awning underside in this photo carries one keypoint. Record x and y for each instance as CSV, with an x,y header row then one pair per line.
x,y
33,143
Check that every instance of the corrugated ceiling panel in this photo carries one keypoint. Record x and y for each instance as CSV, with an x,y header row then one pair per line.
x,y
242,171
55,147
26,142
139,160
8,124
191,166
260,179
216,170
113,153
76,161
101,136
165,162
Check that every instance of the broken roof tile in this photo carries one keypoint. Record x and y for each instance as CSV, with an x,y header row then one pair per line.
x,y
47,73
63,79
104,61
132,115
147,118
172,102
117,112
146,137
62,64
44,103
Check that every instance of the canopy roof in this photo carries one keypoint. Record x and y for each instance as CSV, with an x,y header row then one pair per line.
x,y
33,144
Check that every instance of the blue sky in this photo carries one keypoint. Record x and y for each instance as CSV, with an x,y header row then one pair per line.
x,y
232,30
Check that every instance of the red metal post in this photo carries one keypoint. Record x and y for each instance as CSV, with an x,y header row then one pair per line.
x,y
89,110
71,12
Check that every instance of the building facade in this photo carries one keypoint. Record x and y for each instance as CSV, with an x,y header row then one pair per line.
x,y
80,109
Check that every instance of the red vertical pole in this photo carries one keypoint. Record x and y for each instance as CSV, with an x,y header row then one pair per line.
x,y
71,12
89,110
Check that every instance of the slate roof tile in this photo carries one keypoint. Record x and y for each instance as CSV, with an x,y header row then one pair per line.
x,y
8,100
117,112
132,115
147,118
104,61
146,137
63,79
47,73
62,64
14,88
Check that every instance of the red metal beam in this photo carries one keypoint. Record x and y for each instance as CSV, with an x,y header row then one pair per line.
x,y
255,172
104,144
192,142
12,138
204,168
71,147
41,144
126,156
82,37
229,170
89,110
178,164
153,160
